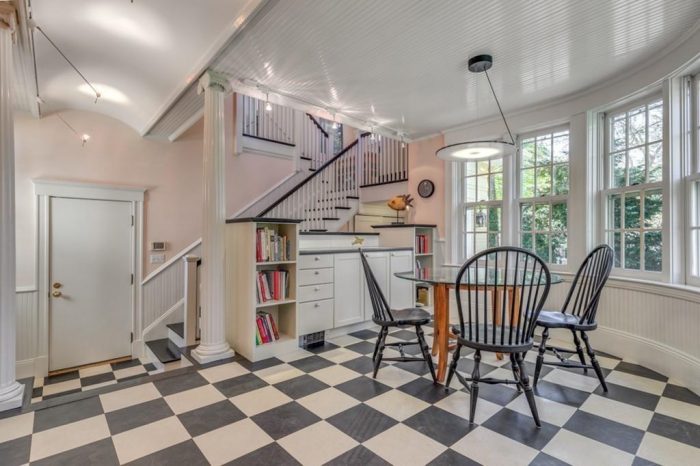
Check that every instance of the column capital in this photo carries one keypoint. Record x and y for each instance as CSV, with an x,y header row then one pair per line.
x,y
8,15
213,80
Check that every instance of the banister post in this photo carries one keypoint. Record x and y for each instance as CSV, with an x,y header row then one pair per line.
x,y
190,299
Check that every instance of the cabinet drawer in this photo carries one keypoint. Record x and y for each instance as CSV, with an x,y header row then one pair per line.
x,y
315,261
315,276
315,292
315,316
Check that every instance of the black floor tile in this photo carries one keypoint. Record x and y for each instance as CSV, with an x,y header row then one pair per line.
x,y
426,390
361,422
561,394
450,458
100,453
138,415
620,436
59,394
239,385
416,367
640,371
675,429
466,366
312,363
15,452
363,388
125,364
497,393
179,383
203,420
186,454
95,379
521,428
271,454
543,459
363,347
149,367
362,365
259,365
681,394
61,377
638,461
318,349
364,334
37,392
440,425
63,414
284,420
404,335
359,455
630,396
301,386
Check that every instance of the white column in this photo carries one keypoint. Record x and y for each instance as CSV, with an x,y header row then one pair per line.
x,y
10,390
213,345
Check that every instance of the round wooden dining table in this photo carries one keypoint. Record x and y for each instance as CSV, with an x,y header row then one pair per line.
x,y
442,279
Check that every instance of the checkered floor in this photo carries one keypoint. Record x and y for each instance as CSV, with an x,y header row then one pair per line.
x,y
89,378
322,407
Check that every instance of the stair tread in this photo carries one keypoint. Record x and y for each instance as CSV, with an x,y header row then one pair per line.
x,y
178,328
164,350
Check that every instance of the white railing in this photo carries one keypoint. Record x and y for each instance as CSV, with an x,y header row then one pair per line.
x,y
317,198
275,125
315,144
382,160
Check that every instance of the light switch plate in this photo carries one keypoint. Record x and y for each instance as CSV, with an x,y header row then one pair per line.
x,y
157,258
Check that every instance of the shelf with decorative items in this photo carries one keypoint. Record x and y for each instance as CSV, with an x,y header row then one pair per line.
x,y
261,274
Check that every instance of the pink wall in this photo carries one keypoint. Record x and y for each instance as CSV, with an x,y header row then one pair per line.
x,y
422,164
117,155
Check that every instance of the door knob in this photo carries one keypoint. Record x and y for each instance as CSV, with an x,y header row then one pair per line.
x,y
57,285
56,294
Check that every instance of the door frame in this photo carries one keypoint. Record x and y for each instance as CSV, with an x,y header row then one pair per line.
x,y
44,190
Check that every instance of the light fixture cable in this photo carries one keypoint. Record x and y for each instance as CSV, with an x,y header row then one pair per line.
x,y
512,140
83,137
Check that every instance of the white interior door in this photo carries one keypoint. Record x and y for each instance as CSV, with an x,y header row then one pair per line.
x,y
90,267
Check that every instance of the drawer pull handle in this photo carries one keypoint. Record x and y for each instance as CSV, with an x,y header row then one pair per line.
x,y
317,305
317,258
317,288
316,272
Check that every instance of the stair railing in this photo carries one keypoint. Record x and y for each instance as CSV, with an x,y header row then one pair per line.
x,y
315,199
315,144
276,125
382,160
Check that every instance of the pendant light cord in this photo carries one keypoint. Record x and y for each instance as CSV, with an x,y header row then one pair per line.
x,y
499,107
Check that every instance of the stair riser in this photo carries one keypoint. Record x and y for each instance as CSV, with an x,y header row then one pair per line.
x,y
176,339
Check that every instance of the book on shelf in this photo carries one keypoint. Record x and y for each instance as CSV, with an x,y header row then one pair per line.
x,y
266,328
270,246
422,244
272,285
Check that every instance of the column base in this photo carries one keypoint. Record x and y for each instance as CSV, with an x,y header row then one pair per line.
x,y
204,354
11,396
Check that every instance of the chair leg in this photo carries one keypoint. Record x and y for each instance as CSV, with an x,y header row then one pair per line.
x,y
516,371
380,351
426,351
579,350
376,345
474,389
594,362
453,367
540,356
525,382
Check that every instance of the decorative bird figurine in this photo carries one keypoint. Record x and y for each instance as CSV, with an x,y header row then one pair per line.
x,y
400,203
358,240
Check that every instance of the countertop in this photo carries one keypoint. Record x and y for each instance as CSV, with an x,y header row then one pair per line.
x,y
306,252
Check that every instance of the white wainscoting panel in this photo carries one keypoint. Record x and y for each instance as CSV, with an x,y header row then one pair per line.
x,y
27,324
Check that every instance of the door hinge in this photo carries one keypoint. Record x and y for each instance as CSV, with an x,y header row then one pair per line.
x,y
132,278
132,337
132,220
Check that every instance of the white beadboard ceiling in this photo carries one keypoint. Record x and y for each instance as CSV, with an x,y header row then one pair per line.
x,y
138,55
398,63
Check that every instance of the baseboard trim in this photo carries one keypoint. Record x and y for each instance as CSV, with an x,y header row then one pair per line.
x,y
673,363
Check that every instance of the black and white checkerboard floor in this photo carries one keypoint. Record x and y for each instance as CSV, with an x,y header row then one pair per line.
x,y
323,407
89,378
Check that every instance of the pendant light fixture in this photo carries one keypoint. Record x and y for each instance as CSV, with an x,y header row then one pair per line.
x,y
486,149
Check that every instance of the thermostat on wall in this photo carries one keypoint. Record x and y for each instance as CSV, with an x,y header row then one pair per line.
x,y
158,246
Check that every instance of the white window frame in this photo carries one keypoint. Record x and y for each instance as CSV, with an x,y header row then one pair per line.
x,y
551,199
485,204
663,185
692,184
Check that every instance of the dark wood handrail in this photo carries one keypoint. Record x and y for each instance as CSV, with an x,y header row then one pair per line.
x,y
318,125
306,180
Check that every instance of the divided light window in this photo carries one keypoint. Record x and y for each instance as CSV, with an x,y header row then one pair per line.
x,y
634,194
482,207
544,190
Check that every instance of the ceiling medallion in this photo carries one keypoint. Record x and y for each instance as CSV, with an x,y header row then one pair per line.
x,y
480,150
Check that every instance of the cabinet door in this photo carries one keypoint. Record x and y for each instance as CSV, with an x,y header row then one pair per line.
x,y
348,294
402,291
379,263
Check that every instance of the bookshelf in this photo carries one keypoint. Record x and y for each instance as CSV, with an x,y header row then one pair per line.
x,y
247,298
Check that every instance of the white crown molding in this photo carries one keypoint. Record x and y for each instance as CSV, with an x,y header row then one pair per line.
x,y
88,190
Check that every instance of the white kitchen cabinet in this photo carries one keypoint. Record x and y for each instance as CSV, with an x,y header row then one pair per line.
x,y
401,290
379,263
349,296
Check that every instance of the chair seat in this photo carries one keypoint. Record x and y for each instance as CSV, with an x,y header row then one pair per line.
x,y
410,316
493,345
558,319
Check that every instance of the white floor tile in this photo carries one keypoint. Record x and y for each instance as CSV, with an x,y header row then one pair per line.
x,y
260,400
394,376
95,370
572,380
232,441
403,445
128,397
344,340
488,447
576,449
130,372
223,372
663,450
295,355
16,426
317,444
328,402
679,410
60,387
192,399
99,385
334,375
68,436
458,404
636,382
549,411
340,355
397,404
617,411
279,373
147,439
